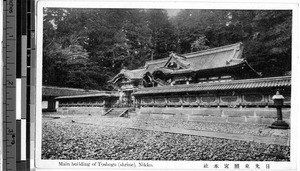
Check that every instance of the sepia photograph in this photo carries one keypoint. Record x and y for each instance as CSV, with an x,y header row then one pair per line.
x,y
163,84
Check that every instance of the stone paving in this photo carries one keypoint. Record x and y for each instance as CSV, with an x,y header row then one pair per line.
x,y
243,132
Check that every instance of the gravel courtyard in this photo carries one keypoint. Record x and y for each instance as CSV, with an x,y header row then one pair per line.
x,y
98,137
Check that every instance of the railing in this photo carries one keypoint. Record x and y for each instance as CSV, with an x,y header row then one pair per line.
x,y
230,101
81,105
124,113
122,105
107,112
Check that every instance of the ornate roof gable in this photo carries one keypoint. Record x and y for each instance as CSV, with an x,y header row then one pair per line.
x,y
214,58
129,75
211,59
219,57
176,62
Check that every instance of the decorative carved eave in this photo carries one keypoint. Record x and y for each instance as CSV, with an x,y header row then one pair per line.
x,y
180,61
130,75
205,59
271,82
101,94
234,68
206,62
65,91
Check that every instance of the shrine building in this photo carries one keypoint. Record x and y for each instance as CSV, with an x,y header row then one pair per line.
x,y
215,84
72,100
204,84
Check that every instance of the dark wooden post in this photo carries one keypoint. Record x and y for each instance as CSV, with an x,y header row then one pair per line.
x,y
51,105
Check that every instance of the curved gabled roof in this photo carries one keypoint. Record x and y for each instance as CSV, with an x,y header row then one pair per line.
x,y
101,94
270,82
219,57
153,65
65,91
214,58
129,74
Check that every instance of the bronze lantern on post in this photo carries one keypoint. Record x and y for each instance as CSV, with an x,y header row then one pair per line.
x,y
279,123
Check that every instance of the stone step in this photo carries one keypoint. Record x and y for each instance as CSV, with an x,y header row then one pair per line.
x,y
116,112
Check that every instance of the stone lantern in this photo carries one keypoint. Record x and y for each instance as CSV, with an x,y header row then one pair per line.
x,y
278,102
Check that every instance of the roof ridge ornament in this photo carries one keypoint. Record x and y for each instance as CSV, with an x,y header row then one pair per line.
x,y
175,55
176,62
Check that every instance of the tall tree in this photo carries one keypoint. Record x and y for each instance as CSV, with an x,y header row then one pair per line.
x,y
273,32
163,37
266,34
84,48
192,24
111,39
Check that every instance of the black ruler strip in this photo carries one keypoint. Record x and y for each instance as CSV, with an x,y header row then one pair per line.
x,y
21,165
18,140
24,16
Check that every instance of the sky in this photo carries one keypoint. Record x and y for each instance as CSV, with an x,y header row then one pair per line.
x,y
172,12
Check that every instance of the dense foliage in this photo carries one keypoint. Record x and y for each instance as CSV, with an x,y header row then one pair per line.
x,y
84,48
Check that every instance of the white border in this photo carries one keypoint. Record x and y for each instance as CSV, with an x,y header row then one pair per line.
x,y
169,4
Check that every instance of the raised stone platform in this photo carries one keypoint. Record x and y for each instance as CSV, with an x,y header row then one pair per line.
x,y
81,110
235,115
